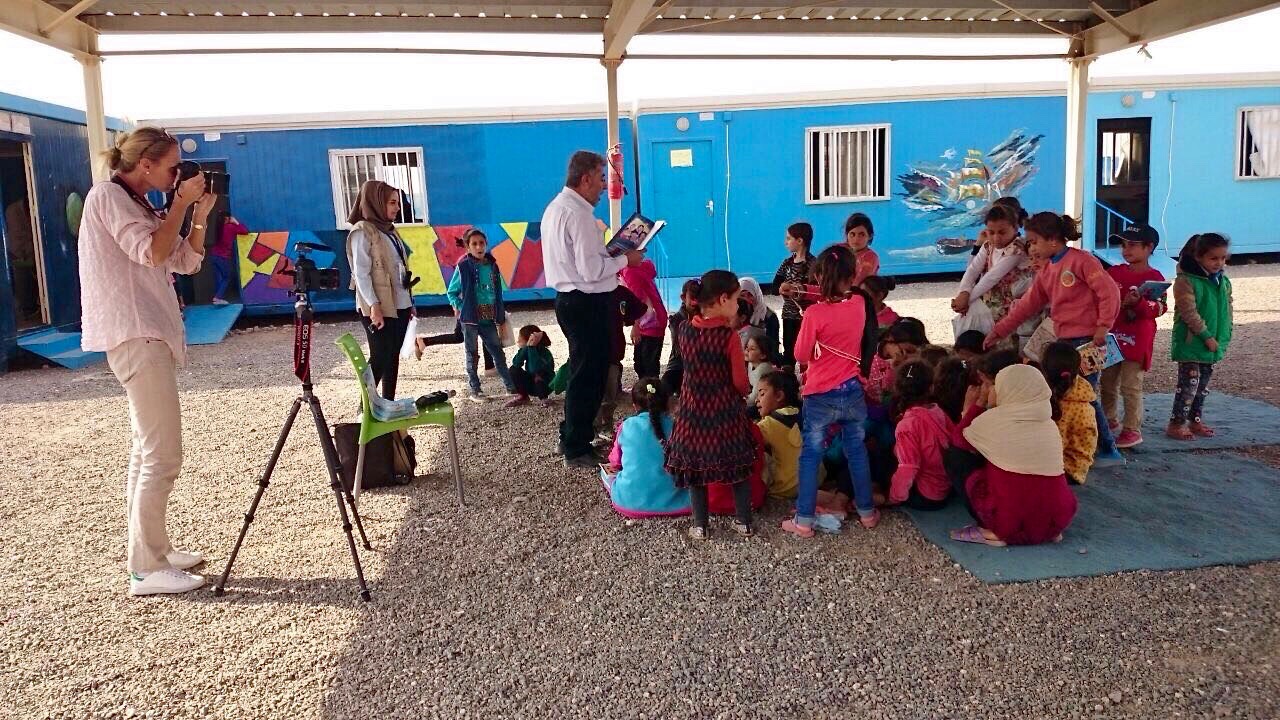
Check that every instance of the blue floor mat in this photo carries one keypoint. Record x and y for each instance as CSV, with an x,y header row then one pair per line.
x,y
1238,422
1161,512
209,324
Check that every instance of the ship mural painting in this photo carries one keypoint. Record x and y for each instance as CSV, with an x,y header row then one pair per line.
x,y
953,196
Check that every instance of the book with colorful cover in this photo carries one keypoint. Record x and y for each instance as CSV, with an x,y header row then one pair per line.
x,y
1153,290
1096,358
634,234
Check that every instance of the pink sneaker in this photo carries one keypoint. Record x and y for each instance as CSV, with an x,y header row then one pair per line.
x,y
790,526
517,401
1128,439
870,521
1114,425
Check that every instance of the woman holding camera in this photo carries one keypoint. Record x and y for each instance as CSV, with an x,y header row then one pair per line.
x,y
379,262
128,248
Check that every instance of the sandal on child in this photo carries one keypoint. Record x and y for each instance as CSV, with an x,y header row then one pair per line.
x,y
1179,432
973,534
790,526
697,533
1201,430
743,529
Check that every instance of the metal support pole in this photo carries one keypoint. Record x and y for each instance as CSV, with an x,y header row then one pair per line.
x,y
611,76
1077,107
95,115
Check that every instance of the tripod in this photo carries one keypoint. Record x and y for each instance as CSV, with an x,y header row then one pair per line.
x,y
302,325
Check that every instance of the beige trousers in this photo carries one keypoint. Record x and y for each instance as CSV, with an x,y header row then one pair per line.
x,y
1123,379
146,369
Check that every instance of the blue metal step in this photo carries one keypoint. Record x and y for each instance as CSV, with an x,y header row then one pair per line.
x,y
60,347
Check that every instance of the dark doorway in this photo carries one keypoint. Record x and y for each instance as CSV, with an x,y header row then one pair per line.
x,y
1124,176
199,289
20,237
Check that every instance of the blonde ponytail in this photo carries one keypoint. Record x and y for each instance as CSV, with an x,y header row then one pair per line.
x,y
151,143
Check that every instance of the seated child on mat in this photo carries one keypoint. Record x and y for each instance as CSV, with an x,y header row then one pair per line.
x,y
641,487
778,401
922,433
1072,409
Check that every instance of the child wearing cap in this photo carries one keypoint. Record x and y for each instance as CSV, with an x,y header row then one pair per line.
x,y
1135,331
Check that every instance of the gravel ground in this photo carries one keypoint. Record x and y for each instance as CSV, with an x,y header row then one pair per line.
x,y
537,601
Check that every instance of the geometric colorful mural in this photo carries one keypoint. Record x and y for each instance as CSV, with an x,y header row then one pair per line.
x,y
954,195
433,254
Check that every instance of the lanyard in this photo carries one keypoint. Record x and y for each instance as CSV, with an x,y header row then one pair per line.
x,y
143,202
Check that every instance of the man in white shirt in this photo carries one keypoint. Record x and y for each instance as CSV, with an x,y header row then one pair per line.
x,y
584,276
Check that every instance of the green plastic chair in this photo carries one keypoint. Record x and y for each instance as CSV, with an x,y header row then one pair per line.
x,y
440,415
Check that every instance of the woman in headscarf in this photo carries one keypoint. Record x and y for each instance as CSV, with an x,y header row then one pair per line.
x,y
763,318
1020,497
379,262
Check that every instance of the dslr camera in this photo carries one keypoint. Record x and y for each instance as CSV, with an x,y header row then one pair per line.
x,y
306,276
215,183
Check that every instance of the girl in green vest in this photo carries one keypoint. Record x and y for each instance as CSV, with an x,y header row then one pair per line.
x,y
1201,329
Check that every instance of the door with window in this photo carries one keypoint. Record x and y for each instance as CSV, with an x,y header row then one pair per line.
x,y
684,197
1124,176
21,237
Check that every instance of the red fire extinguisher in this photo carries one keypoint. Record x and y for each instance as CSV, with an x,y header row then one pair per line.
x,y
616,187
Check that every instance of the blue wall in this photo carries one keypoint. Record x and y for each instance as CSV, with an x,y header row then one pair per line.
x,y
1199,124
480,173
765,156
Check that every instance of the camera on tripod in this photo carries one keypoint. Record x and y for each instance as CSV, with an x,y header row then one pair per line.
x,y
215,183
306,276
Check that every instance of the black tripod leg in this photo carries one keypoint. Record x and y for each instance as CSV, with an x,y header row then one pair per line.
x,y
335,465
263,483
335,481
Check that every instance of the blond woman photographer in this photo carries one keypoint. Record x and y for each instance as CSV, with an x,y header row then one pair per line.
x,y
128,250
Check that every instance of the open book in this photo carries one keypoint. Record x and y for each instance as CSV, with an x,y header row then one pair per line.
x,y
634,234
1153,289
1096,358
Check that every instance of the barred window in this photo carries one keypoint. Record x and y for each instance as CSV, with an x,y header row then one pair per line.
x,y
847,164
399,167
1258,145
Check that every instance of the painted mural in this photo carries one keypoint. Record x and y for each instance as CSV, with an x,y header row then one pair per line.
x,y
953,193
265,257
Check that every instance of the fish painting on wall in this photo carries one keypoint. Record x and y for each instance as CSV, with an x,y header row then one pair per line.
x,y
954,195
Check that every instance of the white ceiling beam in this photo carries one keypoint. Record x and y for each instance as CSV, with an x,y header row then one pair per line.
x,y
71,14
1164,18
26,18
626,17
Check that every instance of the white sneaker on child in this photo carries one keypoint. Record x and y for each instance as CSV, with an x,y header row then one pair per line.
x,y
477,396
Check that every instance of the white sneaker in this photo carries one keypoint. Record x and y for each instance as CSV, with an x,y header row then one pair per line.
x,y
477,397
164,581
218,301
184,560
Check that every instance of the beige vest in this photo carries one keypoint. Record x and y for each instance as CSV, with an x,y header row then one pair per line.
x,y
383,270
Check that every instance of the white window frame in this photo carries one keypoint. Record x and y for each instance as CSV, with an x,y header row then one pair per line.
x,y
828,197
1239,148
341,209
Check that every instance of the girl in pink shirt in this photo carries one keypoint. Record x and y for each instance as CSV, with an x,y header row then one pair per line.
x,y
1083,303
831,341
923,432
879,287
858,234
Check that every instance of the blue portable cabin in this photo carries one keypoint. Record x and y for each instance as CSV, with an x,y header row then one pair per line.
x,y
730,175
44,177
1174,153
293,179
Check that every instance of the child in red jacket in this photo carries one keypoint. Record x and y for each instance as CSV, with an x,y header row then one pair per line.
x,y
1135,332
1083,303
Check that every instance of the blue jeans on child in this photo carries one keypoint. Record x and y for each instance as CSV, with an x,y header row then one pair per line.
x,y
488,334
1107,451
845,406
222,271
